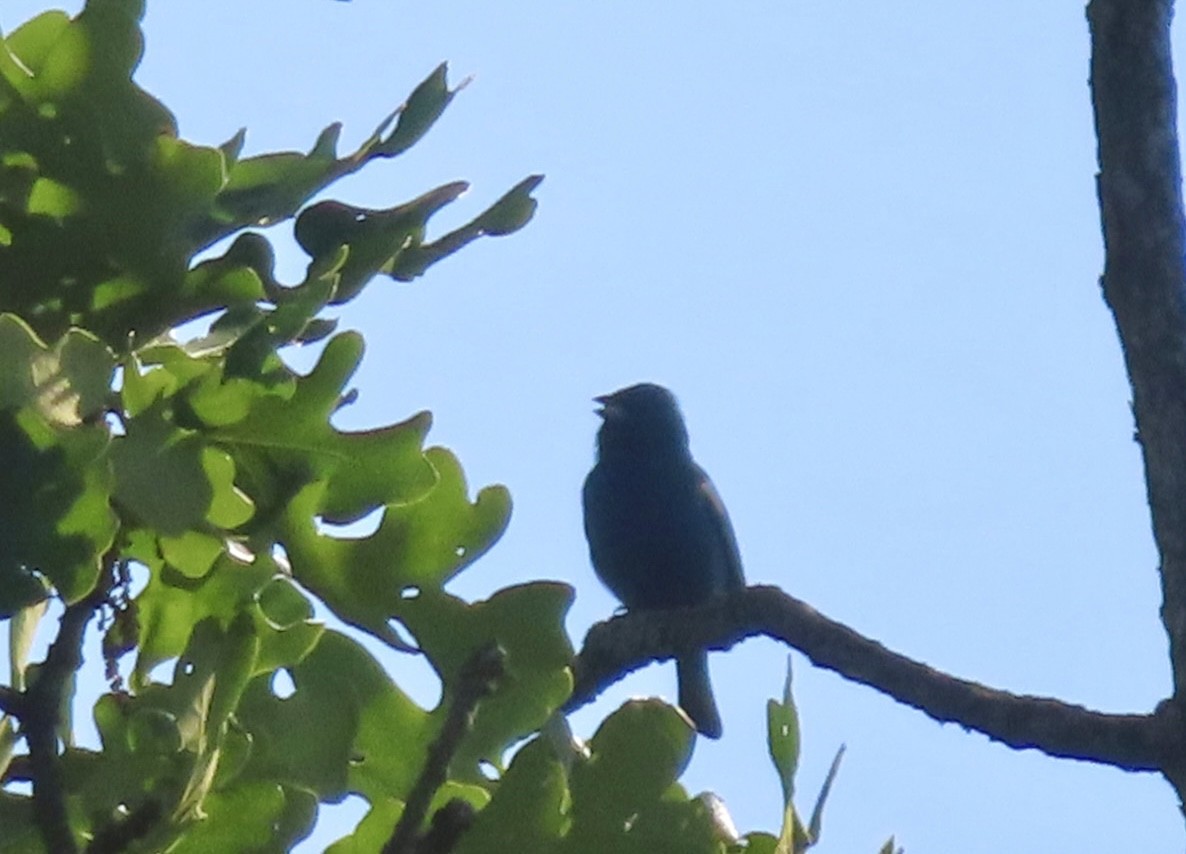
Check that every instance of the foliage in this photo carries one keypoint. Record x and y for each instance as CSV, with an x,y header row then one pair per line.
x,y
210,465
783,739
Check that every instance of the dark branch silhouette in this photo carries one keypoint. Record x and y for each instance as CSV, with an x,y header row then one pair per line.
x,y
477,679
1144,282
40,709
11,701
117,836
625,643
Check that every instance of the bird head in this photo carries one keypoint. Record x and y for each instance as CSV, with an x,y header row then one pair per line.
x,y
642,417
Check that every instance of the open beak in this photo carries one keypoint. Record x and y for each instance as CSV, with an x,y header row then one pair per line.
x,y
603,404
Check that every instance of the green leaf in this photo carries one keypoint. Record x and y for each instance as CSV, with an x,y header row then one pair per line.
x,y
154,731
528,811
239,818
166,742
511,212
191,553
636,755
290,436
236,666
267,188
28,46
625,796
241,276
287,646
377,825
418,546
527,623
508,214
54,503
283,605
8,741
782,726
782,739
171,605
159,474
419,113
723,825
65,385
253,354
21,633
376,239
345,728
815,825
372,832
191,175
145,384
52,199
229,506
760,843
20,830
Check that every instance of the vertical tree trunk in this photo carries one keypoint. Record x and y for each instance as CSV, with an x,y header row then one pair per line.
x,y
1144,283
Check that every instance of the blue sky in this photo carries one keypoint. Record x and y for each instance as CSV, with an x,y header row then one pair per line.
x,y
860,242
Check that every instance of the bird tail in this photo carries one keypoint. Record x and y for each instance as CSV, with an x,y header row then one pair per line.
x,y
695,693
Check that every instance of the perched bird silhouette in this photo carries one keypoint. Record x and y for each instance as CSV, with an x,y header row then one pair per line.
x,y
658,534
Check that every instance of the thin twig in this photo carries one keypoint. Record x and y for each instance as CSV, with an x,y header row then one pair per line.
x,y
476,681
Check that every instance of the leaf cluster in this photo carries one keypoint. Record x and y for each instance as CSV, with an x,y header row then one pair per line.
x,y
216,468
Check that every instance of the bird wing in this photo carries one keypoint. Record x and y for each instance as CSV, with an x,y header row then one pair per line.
x,y
724,529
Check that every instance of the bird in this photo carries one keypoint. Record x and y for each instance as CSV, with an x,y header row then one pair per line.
x,y
659,536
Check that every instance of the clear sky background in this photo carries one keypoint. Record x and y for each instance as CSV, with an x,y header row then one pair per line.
x,y
860,241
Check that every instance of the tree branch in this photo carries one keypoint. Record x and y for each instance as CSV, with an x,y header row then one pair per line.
x,y
41,716
1144,282
11,701
625,643
477,679
119,835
